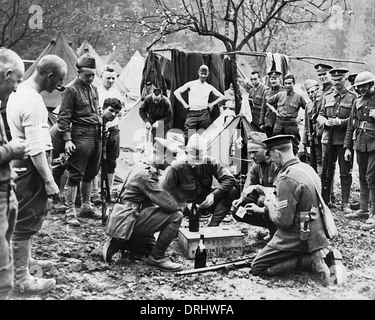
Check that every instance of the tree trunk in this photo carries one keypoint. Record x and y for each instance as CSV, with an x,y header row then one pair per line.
x,y
236,87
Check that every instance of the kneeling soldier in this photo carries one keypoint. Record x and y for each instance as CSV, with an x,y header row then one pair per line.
x,y
155,209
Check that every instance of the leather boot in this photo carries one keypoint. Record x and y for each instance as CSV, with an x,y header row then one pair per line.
x,y
24,283
70,213
345,193
45,265
87,209
338,272
370,222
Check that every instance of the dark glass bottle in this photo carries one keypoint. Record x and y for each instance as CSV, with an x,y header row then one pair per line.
x,y
200,254
194,218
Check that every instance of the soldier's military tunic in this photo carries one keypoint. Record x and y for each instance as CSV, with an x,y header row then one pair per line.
x,y
337,105
153,206
256,99
287,105
295,196
318,101
193,183
267,117
360,136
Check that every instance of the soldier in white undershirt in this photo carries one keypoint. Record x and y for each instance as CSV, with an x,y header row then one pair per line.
x,y
198,109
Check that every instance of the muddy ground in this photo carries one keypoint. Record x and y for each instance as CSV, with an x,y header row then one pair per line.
x,y
81,273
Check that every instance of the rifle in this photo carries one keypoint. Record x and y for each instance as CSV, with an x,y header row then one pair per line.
x,y
327,175
236,264
312,145
104,184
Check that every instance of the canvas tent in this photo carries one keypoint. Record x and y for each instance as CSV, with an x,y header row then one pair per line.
x,y
131,75
226,140
61,47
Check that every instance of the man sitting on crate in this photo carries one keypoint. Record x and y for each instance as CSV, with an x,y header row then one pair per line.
x,y
262,172
189,179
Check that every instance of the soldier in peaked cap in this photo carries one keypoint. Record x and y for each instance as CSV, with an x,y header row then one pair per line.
x,y
262,172
295,199
155,209
325,88
267,117
79,126
334,116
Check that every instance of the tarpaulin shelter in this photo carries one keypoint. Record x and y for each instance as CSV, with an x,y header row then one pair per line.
x,y
226,140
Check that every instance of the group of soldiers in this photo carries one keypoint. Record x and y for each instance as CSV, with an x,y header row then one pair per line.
x,y
332,127
280,193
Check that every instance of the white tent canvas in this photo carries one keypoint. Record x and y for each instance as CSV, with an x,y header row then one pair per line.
x,y
131,75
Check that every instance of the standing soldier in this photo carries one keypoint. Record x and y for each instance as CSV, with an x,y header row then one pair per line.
x,y
11,73
360,136
267,117
257,95
79,125
309,133
198,108
286,105
334,116
28,121
325,88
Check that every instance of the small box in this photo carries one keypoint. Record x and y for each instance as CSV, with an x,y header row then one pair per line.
x,y
219,241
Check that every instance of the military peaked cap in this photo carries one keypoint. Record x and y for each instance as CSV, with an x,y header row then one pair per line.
x,y
278,140
322,68
338,73
274,73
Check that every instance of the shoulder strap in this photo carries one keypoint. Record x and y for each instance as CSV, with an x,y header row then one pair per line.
x,y
313,182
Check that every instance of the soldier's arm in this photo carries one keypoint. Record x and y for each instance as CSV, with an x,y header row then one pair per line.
x,y
348,142
143,111
224,177
322,117
65,114
282,208
160,197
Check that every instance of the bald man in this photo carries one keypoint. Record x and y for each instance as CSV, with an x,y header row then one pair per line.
x,y
28,121
11,74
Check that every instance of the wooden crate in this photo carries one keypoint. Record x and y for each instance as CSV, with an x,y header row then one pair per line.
x,y
219,241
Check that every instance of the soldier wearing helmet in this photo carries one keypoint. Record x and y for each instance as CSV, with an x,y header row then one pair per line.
x,y
360,136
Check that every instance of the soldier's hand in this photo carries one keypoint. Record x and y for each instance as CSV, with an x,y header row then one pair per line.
x,y
69,148
208,202
20,149
348,155
236,202
253,208
51,188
